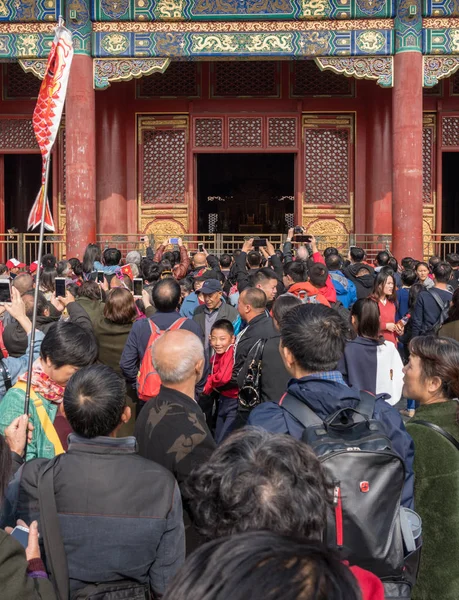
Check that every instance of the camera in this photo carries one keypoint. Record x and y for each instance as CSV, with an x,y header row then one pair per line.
x,y
298,230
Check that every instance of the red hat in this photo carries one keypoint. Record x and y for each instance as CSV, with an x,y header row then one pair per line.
x,y
13,263
33,266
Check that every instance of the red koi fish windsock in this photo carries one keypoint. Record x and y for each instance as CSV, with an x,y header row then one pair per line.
x,y
48,112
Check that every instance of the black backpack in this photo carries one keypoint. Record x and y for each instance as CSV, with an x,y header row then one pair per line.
x,y
368,479
444,310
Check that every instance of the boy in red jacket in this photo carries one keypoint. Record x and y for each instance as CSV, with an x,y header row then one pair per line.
x,y
222,341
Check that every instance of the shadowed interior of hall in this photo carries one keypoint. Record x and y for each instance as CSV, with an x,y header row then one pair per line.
x,y
245,193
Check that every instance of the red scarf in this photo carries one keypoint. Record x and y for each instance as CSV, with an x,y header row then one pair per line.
x,y
43,384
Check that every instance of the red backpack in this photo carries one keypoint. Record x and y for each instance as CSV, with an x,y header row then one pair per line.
x,y
148,381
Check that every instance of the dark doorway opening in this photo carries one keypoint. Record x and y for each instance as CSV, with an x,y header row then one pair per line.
x,y
245,193
450,193
22,184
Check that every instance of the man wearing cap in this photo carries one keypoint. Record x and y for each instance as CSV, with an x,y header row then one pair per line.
x,y
214,308
14,266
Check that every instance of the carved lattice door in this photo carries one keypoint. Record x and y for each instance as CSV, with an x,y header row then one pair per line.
x,y
328,163
162,175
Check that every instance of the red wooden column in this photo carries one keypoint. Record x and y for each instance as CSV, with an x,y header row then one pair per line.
x,y
80,123
111,160
407,133
379,160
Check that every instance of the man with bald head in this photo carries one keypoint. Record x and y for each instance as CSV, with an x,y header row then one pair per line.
x,y
171,429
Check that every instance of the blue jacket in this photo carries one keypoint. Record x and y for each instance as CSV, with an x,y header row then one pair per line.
x,y
18,366
346,291
189,305
325,398
402,303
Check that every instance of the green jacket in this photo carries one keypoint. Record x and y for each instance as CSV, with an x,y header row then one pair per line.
x,y
12,406
436,495
15,584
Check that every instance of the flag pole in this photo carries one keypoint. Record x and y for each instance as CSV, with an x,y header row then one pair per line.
x,y
37,288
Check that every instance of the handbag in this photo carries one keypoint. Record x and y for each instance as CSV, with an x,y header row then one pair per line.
x,y
249,393
56,558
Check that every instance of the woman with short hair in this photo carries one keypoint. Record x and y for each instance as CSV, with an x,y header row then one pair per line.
x,y
432,378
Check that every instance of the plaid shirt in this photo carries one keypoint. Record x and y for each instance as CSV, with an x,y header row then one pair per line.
x,y
329,376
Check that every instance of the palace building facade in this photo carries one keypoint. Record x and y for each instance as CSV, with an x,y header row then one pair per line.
x,y
242,116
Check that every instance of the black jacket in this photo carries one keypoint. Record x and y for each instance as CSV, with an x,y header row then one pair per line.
x,y
259,328
364,283
120,515
427,311
274,375
172,431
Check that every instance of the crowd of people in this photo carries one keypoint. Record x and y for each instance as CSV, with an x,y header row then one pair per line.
x,y
275,422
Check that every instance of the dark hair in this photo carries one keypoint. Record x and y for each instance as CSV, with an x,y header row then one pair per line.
x,y
380,282
296,270
3,269
225,261
66,343
253,259
49,261
366,311
393,264
62,266
408,263
29,300
357,254
439,358
415,290
382,258
166,295
175,257
89,289
94,400
77,266
152,272
120,306
318,274
315,334
330,251
112,257
256,480
261,276
186,284
282,304
255,297
442,272
408,277
262,565
453,313
5,466
47,279
333,262
223,324
452,258
91,255
434,260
